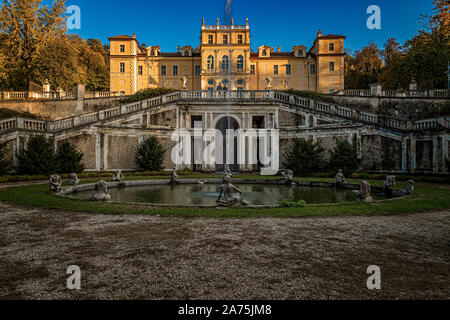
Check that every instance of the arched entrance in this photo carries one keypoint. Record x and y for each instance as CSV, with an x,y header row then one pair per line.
x,y
222,150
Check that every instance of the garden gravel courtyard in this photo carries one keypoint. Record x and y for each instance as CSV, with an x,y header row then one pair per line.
x,y
148,257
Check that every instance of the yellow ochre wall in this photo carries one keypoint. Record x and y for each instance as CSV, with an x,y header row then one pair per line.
x,y
150,61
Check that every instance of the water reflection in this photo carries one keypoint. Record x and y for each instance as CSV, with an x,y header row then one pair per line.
x,y
206,194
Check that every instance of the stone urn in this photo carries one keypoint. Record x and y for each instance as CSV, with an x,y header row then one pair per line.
x,y
101,192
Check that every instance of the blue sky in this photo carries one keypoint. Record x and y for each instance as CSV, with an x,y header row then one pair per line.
x,y
276,22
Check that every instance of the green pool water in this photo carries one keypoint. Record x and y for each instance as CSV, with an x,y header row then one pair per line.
x,y
206,194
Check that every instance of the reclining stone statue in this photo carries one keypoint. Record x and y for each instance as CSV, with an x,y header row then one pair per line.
x,y
389,185
73,179
101,192
227,196
363,194
339,178
409,188
118,176
55,183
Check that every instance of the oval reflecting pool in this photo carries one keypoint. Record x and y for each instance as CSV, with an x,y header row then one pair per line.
x,y
206,194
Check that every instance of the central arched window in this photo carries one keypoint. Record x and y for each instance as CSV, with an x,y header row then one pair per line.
x,y
300,52
264,53
240,63
225,63
186,53
210,63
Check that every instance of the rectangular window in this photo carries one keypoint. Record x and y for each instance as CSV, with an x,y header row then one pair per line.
x,y
312,69
122,48
163,70
175,70
210,39
197,70
275,69
122,67
252,69
331,47
239,38
288,69
140,70
332,66
225,39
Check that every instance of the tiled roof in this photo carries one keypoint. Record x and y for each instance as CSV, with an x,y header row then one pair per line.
x,y
123,36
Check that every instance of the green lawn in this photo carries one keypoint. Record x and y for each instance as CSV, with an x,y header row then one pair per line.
x,y
427,197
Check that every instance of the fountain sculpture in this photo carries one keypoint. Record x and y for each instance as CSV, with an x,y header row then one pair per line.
x,y
101,192
73,179
339,178
389,185
363,194
227,196
118,176
55,183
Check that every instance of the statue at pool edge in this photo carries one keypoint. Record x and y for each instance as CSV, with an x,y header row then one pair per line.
x,y
363,194
55,183
228,170
226,194
409,189
173,176
340,178
101,192
118,176
287,177
389,185
73,179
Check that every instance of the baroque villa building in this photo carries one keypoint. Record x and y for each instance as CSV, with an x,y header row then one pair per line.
x,y
225,61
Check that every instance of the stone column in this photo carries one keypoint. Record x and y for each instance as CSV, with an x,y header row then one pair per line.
x,y
435,155
97,151
413,154
404,156
105,152
445,151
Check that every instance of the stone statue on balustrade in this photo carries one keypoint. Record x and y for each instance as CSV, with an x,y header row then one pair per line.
x,y
184,82
73,179
364,193
339,178
55,183
269,83
227,194
101,192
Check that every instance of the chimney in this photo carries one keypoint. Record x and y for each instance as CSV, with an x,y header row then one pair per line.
x,y
178,49
217,21
134,36
279,48
319,33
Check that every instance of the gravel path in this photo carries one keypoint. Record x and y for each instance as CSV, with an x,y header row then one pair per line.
x,y
205,258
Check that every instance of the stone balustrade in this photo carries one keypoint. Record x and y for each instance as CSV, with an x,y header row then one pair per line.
x,y
293,100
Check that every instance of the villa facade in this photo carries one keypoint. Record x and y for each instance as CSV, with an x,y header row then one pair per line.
x,y
224,61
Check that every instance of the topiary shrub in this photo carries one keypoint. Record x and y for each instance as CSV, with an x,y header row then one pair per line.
x,y
4,162
68,159
344,156
149,154
304,157
37,158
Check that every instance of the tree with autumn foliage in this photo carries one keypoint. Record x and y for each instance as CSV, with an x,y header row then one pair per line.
x,y
35,43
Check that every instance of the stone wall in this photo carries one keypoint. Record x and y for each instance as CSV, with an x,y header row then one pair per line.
x,y
60,109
